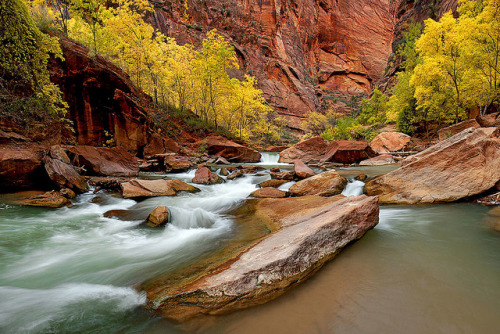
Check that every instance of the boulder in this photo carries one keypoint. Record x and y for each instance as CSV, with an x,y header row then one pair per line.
x,y
384,159
158,217
221,161
68,193
151,188
177,163
456,128
490,120
328,183
64,175
234,175
224,171
386,142
285,175
158,145
347,152
21,168
205,176
57,152
309,150
51,199
269,192
272,183
301,170
105,161
305,233
220,146
461,166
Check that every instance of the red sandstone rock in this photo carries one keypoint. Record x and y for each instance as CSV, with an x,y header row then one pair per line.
x,y
384,159
64,175
217,145
158,145
105,161
456,128
158,217
347,152
301,170
489,120
328,183
386,142
308,150
269,193
205,176
177,163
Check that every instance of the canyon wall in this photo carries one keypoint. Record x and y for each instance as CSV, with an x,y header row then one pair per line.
x,y
299,50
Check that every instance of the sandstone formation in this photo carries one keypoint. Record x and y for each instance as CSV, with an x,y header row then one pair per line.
x,y
51,199
328,183
347,152
152,188
158,217
456,128
275,183
284,175
220,146
387,142
205,176
234,175
459,167
158,144
269,192
21,168
176,163
64,175
384,159
310,150
301,170
104,161
292,48
306,233
490,120
103,102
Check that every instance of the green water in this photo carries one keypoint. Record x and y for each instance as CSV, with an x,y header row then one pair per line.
x,y
423,269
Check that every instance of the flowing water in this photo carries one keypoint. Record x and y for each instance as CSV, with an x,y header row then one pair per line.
x,y
423,269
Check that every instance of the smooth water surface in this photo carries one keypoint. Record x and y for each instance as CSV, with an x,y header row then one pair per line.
x,y
423,269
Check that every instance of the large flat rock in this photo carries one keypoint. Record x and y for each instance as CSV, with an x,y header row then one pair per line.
x,y
461,166
307,232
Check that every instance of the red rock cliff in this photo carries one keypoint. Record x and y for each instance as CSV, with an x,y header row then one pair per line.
x,y
295,48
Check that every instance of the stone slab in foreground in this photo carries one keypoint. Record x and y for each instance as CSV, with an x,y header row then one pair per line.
x,y
459,167
309,231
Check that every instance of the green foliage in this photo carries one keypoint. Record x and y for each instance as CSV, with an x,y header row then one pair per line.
x,y
25,82
374,109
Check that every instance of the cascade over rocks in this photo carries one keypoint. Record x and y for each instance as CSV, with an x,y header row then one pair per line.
x,y
234,152
328,183
461,166
387,142
310,150
347,152
104,161
305,233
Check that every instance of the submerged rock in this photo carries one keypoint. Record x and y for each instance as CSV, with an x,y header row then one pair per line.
x,y
269,192
152,188
158,217
461,166
205,176
307,232
328,183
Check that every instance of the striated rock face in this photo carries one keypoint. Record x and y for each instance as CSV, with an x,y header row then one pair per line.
x,y
292,47
309,231
461,166
103,102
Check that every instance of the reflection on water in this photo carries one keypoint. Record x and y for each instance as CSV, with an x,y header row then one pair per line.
x,y
423,269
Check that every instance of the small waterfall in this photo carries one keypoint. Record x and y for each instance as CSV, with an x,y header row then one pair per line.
x,y
270,159
353,188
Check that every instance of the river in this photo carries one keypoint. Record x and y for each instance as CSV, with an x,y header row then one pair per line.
x,y
423,269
